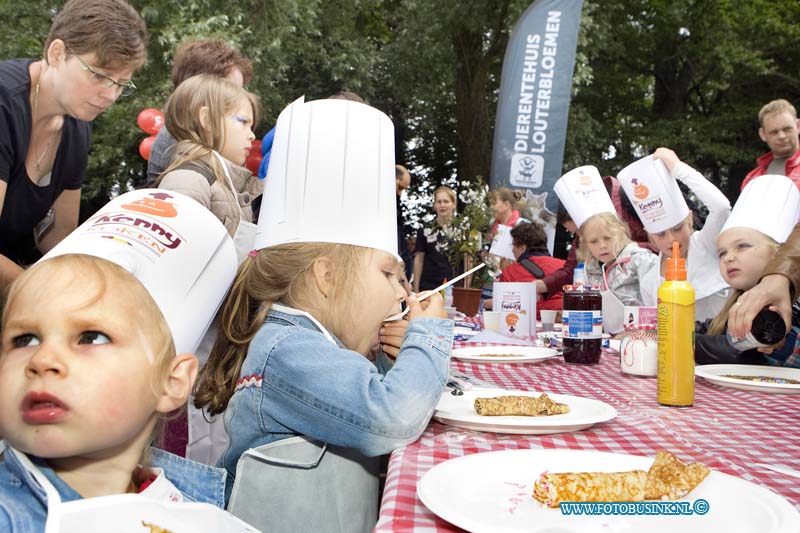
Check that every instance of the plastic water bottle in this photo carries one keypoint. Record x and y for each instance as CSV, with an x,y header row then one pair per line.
x,y
579,276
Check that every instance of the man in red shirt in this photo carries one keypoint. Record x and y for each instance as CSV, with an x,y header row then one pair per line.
x,y
779,129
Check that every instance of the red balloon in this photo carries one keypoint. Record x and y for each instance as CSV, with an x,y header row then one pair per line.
x,y
255,146
150,120
253,161
145,146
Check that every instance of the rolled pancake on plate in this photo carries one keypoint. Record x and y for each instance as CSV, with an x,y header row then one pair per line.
x,y
667,479
671,479
552,489
519,406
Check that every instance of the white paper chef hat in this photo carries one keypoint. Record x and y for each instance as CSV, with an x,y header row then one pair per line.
x,y
330,177
177,249
769,204
583,194
654,193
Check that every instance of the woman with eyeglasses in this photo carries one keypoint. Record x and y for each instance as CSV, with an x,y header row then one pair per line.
x,y
46,106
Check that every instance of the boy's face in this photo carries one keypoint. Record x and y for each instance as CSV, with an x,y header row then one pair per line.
x,y
378,298
77,370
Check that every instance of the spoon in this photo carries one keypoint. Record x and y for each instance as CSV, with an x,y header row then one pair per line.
x,y
400,315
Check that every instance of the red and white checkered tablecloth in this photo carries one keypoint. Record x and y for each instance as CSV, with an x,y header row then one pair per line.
x,y
727,429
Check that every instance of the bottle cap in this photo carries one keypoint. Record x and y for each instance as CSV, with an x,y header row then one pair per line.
x,y
676,265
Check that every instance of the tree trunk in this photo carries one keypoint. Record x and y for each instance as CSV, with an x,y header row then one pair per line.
x,y
473,131
673,77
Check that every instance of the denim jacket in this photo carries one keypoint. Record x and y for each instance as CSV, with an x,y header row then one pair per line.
x,y
23,504
297,379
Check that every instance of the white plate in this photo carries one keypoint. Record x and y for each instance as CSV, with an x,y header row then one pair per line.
x,y
521,354
491,492
460,411
716,374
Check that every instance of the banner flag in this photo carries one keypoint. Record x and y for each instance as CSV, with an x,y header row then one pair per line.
x,y
533,106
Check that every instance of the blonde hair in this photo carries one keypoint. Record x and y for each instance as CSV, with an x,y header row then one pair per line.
x,y
102,272
617,229
279,274
448,191
776,106
504,194
195,142
719,324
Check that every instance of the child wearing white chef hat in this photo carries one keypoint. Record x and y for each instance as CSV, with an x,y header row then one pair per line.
x,y
762,219
613,261
96,346
651,187
307,412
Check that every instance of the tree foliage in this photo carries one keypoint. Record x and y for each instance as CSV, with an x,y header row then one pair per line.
x,y
688,74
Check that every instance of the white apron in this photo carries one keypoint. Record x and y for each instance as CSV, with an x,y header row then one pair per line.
x,y
207,436
245,236
613,309
302,485
702,273
130,513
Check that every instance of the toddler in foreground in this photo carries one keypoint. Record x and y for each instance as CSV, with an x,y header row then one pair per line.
x,y
91,359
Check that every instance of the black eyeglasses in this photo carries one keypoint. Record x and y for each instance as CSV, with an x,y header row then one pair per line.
x,y
99,78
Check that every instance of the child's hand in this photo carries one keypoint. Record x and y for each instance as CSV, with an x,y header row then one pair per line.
x,y
432,307
391,336
669,157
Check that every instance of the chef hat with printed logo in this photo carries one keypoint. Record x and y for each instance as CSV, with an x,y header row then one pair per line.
x,y
654,193
177,249
330,178
583,194
769,204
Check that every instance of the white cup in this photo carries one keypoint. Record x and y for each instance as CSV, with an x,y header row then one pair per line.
x,y
548,319
491,320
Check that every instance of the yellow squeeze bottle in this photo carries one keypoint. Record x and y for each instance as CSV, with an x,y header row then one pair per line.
x,y
676,335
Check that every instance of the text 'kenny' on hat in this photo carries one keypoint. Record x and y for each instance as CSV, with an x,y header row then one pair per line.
x,y
583,194
177,249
